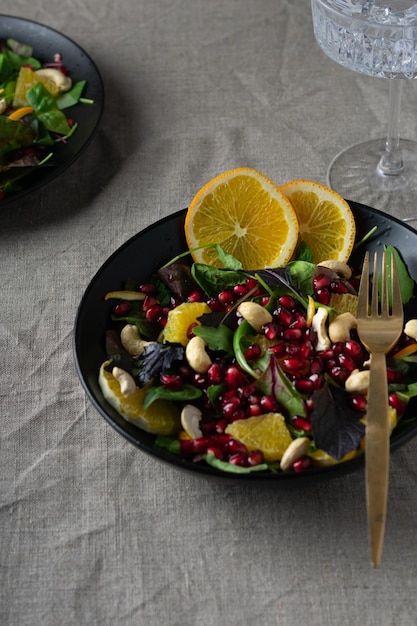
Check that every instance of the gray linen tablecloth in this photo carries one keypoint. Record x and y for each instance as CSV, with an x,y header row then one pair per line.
x,y
93,531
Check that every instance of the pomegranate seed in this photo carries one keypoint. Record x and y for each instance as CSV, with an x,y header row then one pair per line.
x,y
226,296
199,380
321,281
215,374
347,362
271,331
186,372
187,447
338,287
216,451
240,290
251,283
305,386
284,317
393,375
292,334
309,404
279,349
254,410
239,459
327,355
354,350
122,308
287,302
147,288
215,305
230,407
196,296
269,404
293,364
240,414
253,352
397,404
358,403
255,458
221,425
208,428
302,464
317,381
172,381
175,302
301,423
339,374
264,300
234,447
306,350
233,377
148,302
323,296
249,392
153,313
316,366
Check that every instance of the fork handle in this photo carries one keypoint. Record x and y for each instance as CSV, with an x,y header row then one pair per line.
x,y
377,453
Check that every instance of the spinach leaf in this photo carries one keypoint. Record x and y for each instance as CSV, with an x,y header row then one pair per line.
x,y
213,279
218,338
188,392
47,110
407,284
224,466
301,273
71,97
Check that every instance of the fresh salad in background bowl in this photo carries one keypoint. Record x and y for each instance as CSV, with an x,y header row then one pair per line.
x,y
51,99
212,349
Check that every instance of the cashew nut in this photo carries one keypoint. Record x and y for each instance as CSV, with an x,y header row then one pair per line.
x,y
358,382
319,326
340,327
196,355
296,450
339,267
410,329
132,341
190,421
61,81
125,380
255,314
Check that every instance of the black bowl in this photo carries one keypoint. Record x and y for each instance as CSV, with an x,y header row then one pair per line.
x,y
142,255
46,42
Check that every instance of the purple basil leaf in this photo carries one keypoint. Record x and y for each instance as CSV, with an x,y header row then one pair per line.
x,y
157,358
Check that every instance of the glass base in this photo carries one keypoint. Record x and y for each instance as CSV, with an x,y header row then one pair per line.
x,y
354,175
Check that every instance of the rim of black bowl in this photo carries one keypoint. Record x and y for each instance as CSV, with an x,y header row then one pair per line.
x,y
83,68
145,442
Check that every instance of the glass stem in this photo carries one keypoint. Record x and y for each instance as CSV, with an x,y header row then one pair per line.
x,y
391,163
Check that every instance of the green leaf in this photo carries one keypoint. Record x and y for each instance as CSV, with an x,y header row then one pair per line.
x,y
188,392
47,110
217,339
13,135
275,383
407,284
227,260
213,279
71,97
169,443
301,275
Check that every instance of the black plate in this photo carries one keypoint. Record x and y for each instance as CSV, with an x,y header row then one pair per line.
x,y
46,42
143,254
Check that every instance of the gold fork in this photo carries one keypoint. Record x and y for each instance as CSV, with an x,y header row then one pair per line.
x,y
379,327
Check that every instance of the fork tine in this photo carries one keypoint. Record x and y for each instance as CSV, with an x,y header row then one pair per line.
x,y
397,305
384,287
363,293
374,303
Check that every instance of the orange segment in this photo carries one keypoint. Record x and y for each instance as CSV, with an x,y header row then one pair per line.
x,y
160,418
267,433
325,219
244,212
25,80
180,319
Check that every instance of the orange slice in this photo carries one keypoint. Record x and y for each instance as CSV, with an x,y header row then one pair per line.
x,y
325,219
246,213
25,80
267,433
180,319
160,418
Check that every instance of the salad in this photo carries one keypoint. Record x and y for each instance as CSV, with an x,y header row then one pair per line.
x,y
251,371
33,97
